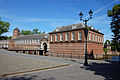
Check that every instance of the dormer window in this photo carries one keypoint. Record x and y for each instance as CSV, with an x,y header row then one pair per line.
x,y
57,29
74,27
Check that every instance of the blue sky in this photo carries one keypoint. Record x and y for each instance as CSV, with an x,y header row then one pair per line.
x,y
46,15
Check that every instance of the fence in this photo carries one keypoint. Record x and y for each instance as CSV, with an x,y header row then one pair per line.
x,y
76,56
111,57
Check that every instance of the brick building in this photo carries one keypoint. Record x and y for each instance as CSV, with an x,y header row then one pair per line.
x,y
4,43
28,43
71,40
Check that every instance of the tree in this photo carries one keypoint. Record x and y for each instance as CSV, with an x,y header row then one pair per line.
x,y
107,42
35,31
26,32
4,26
115,25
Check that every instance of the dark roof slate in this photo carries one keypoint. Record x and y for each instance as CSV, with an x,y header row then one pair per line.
x,y
74,27
70,27
35,36
16,29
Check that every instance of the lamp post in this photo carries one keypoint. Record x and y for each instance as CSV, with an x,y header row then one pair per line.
x,y
86,33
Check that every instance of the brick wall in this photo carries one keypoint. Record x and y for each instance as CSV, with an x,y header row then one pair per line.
x,y
67,48
76,46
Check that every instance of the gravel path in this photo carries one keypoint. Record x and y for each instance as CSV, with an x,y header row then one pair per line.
x,y
11,64
96,70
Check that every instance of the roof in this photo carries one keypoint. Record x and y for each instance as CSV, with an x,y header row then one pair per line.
x,y
35,36
74,27
16,29
70,27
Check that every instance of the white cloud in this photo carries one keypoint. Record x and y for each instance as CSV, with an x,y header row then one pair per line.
x,y
40,19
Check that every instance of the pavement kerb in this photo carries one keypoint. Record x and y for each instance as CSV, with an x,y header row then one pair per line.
x,y
33,70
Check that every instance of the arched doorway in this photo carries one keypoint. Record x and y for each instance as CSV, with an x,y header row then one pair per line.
x,y
45,48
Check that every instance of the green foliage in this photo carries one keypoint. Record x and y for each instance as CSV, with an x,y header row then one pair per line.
x,y
28,32
5,37
35,31
107,42
106,56
4,26
115,25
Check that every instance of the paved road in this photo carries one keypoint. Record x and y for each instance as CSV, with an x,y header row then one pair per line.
x,y
96,70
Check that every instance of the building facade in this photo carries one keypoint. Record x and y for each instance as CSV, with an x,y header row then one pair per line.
x,y
71,40
29,43
4,44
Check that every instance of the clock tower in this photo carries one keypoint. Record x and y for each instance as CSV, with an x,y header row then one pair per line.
x,y
16,33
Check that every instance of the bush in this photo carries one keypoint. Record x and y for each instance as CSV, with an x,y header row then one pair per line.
x,y
106,56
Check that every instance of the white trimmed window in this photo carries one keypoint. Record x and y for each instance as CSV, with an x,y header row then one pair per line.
x,y
67,36
89,36
56,37
98,38
79,35
72,36
26,40
61,37
51,38
21,41
33,41
93,37
102,39
36,41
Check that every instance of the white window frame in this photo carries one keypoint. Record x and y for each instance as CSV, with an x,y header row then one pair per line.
x,y
66,37
98,38
93,37
56,37
61,37
89,36
79,35
51,38
73,36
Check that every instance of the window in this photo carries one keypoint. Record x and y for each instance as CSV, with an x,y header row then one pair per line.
x,y
73,36
79,35
33,41
93,37
36,41
61,37
67,36
98,38
51,38
102,39
19,42
73,27
56,37
26,40
89,36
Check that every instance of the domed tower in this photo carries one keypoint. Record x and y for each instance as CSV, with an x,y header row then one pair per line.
x,y
16,33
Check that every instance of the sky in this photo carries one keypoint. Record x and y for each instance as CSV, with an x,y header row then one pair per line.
x,y
46,15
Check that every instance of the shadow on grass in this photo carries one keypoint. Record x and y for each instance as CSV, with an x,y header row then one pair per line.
x,y
26,77
110,70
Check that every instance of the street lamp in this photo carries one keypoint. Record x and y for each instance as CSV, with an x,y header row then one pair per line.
x,y
86,32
